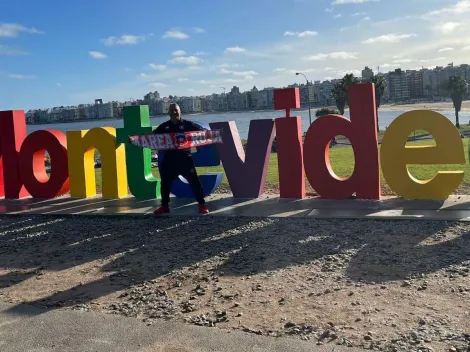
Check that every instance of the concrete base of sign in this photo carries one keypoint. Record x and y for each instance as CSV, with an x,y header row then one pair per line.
x,y
455,208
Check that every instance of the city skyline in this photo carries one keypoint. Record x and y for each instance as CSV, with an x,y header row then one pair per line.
x,y
400,86
75,53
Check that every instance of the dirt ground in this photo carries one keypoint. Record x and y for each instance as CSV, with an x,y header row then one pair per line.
x,y
382,285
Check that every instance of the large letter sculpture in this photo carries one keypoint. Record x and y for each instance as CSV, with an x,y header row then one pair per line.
x,y
12,135
142,183
396,156
289,145
362,132
81,150
246,175
32,168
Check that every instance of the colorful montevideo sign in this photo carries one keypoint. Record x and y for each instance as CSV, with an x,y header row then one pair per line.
x,y
127,167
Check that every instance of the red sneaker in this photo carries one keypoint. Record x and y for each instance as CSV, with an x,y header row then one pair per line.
x,y
203,209
162,210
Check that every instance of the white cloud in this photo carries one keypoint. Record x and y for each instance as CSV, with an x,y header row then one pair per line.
x,y
238,73
16,76
97,55
339,55
200,53
13,30
446,49
449,27
300,34
389,65
186,60
343,2
460,7
358,14
235,49
338,15
157,85
389,38
157,67
267,55
176,34
402,61
203,81
126,39
432,60
59,85
7,50
198,30
228,65
280,69
184,79
191,89
178,53
329,9
467,48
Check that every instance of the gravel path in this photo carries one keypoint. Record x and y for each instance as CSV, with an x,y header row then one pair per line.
x,y
381,285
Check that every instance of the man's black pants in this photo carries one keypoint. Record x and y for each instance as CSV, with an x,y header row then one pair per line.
x,y
171,169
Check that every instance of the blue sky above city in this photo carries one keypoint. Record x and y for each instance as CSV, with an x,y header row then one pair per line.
x,y
57,53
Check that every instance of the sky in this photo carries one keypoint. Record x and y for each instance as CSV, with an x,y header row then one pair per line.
x,y
60,53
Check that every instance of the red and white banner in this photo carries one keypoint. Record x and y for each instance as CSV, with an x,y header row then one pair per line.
x,y
181,140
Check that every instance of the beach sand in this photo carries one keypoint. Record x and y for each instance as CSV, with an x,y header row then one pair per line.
x,y
438,106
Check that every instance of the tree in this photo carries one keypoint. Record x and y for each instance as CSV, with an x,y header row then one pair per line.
x,y
326,111
339,95
380,85
348,80
457,88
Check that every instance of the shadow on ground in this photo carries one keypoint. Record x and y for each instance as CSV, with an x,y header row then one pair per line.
x,y
138,249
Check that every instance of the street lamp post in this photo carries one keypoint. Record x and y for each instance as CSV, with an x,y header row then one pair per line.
x,y
309,107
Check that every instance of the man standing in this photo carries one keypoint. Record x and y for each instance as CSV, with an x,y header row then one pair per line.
x,y
178,162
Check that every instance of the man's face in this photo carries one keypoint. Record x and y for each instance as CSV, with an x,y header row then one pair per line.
x,y
174,111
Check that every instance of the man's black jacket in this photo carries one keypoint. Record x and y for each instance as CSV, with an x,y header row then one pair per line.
x,y
173,156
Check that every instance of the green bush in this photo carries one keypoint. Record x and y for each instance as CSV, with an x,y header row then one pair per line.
x,y
326,111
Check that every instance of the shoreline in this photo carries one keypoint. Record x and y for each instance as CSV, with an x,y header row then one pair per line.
x,y
436,106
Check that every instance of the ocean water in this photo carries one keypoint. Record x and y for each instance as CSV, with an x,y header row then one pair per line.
x,y
242,120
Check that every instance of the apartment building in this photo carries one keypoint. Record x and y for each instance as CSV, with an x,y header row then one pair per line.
x,y
416,83
261,99
367,74
237,101
398,85
151,97
190,104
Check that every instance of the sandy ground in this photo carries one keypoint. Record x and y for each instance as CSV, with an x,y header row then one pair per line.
x,y
390,286
441,106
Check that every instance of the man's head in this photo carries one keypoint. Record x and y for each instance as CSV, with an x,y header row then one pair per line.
x,y
174,112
